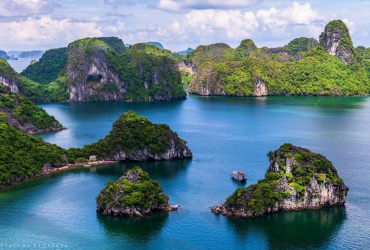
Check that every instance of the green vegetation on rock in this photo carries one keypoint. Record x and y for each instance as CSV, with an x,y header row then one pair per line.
x,y
49,66
301,67
318,73
301,44
89,68
23,156
133,137
115,43
133,194
294,179
218,52
23,113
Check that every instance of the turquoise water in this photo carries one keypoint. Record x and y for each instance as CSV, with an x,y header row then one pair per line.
x,y
20,64
225,134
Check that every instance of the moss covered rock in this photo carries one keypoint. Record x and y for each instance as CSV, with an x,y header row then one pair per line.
x,y
296,179
134,194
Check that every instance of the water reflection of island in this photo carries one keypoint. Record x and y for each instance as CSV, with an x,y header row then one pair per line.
x,y
293,230
134,229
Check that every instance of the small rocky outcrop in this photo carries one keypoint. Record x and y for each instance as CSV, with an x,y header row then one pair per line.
x,y
337,41
33,61
297,179
260,88
135,138
134,194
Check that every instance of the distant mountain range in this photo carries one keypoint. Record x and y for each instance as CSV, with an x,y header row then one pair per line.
x,y
185,52
33,54
4,55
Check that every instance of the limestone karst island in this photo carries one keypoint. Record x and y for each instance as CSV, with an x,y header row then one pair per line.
x,y
296,179
184,124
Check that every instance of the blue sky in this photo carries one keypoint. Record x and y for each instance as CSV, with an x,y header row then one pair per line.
x,y
44,24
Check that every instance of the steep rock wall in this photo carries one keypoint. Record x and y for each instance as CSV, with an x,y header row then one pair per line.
x,y
90,78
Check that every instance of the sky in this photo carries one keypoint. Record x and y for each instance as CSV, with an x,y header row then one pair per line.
x,y
45,24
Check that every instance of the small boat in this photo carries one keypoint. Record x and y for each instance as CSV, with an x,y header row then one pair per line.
x,y
239,176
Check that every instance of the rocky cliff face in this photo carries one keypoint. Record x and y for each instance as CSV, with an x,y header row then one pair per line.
x,y
337,41
189,68
205,82
296,179
134,194
10,84
8,77
89,76
96,72
260,88
173,151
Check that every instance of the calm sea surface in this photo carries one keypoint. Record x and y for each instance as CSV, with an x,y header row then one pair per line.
x,y
224,134
20,64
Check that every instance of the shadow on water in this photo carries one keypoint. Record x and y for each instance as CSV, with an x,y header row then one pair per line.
x,y
295,229
136,229
156,169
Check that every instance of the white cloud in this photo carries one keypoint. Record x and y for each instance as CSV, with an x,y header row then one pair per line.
x,y
233,24
297,17
350,25
45,30
170,5
301,14
25,8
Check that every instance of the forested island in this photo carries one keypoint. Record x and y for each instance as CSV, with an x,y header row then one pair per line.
x,y
132,138
296,179
134,194
104,69
305,66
